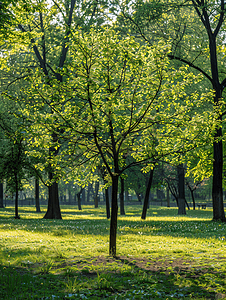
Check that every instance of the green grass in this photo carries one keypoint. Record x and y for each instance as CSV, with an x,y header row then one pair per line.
x,y
164,257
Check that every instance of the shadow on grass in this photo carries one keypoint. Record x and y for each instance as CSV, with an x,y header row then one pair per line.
x,y
126,281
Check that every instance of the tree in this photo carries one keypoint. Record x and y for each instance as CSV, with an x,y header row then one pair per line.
x,y
199,34
45,28
122,100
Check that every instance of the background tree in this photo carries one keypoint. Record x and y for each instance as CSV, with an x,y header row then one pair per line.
x,y
195,30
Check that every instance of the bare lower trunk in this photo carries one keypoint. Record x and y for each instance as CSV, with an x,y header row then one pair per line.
x,y
96,194
53,210
181,190
79,201
114,216
147,193
217,191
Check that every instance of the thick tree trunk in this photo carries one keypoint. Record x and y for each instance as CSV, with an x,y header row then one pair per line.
x,y
181,190
147,193
37,204
107,203
53,210
122,208
114,216
217,190
1,195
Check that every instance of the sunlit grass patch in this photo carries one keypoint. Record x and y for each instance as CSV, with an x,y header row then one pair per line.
x,y
182,251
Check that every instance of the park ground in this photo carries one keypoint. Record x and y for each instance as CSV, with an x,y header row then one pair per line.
x,y
165,256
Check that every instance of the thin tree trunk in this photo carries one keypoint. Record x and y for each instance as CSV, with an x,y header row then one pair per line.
x,y
122,208
114,216
147,193
1,195
79,200
37,204
96,194
192,196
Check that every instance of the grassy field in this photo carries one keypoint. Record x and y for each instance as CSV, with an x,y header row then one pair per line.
x,y
163,257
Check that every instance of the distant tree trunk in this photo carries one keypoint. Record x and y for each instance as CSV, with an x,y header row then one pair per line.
x,y
126,195
79,199
96,194
1,195
122,208
187,204
69,194
139,196
107,203
53,210
37,204
147,193
114,216
181,190
167,197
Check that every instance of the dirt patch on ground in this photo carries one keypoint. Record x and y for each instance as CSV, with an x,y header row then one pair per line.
x,y
159,264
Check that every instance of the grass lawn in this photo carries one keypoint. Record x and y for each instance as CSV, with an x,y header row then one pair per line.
x,y
163,257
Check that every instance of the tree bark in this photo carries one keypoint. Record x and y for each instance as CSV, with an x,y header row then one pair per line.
x,y
53,210
37,204
1,195
147,193
122,208
217,190
114,216
79,199
96,194
181,190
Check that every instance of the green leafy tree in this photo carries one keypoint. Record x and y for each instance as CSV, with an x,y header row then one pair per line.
x,y
120,99
196,31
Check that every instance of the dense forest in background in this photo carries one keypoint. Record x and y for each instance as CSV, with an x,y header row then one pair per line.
x,y
103,100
